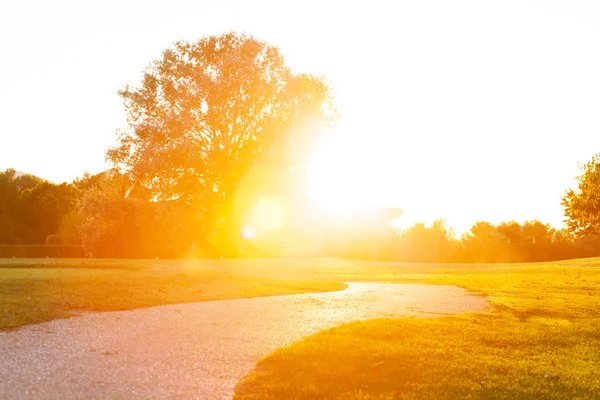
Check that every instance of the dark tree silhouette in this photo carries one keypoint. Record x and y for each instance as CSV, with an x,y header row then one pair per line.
x,y
582,205
41,209
207,112
31,209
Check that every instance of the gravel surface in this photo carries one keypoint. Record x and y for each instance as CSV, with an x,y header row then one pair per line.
x,y
197,350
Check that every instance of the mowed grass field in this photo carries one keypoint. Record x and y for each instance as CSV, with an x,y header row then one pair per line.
x,y
542,341
34,291
37,290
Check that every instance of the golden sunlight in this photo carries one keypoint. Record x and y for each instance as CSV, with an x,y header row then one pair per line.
x,y
348,175
248,233
338,183
268,215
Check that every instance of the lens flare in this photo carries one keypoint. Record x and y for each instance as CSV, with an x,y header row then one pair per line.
x,y
248,233
268,215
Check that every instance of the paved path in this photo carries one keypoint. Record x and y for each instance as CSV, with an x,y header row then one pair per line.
x,y
193,351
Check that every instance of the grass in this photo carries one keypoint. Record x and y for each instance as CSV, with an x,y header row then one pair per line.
x,y
41,290
542,341
38,290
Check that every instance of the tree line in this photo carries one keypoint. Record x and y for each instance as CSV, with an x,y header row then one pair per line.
x,y
531,241
206,117
32,209
96,212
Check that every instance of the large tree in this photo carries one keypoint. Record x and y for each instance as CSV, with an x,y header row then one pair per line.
x,y
207,112
582,205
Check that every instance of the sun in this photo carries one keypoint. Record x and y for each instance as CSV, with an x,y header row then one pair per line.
x,y
347,176
351,174
339,182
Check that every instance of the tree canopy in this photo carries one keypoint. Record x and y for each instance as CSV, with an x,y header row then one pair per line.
x,y
207,112
582,205
217,131
31,209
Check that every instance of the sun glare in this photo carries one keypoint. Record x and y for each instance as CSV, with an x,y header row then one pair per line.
x,y
348,175
248,233
267,215
337,183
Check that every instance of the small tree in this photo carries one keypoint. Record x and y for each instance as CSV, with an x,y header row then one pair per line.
x,y
582,205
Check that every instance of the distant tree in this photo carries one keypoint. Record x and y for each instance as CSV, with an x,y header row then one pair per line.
x,y
87,180
41,209
515,242
562,245
538,241
8,195
12,230
582,205
26,181
420,243
31,208
108,221
68,230
509,242
483,243
586,246
73,222
206,112
166,231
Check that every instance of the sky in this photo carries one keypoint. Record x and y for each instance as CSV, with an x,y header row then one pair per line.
x,y
466,110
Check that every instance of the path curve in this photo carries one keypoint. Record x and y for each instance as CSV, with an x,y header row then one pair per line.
x,y
197,350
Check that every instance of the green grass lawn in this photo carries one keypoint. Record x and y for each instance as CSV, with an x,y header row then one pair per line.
x,y
37,290
542,341
41,290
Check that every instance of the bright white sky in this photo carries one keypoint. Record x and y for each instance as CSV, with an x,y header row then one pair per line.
x,y
459,109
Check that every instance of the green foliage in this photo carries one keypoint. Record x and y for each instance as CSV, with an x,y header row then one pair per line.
x,y
582,205
42,208
31,209
68,230
487,243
